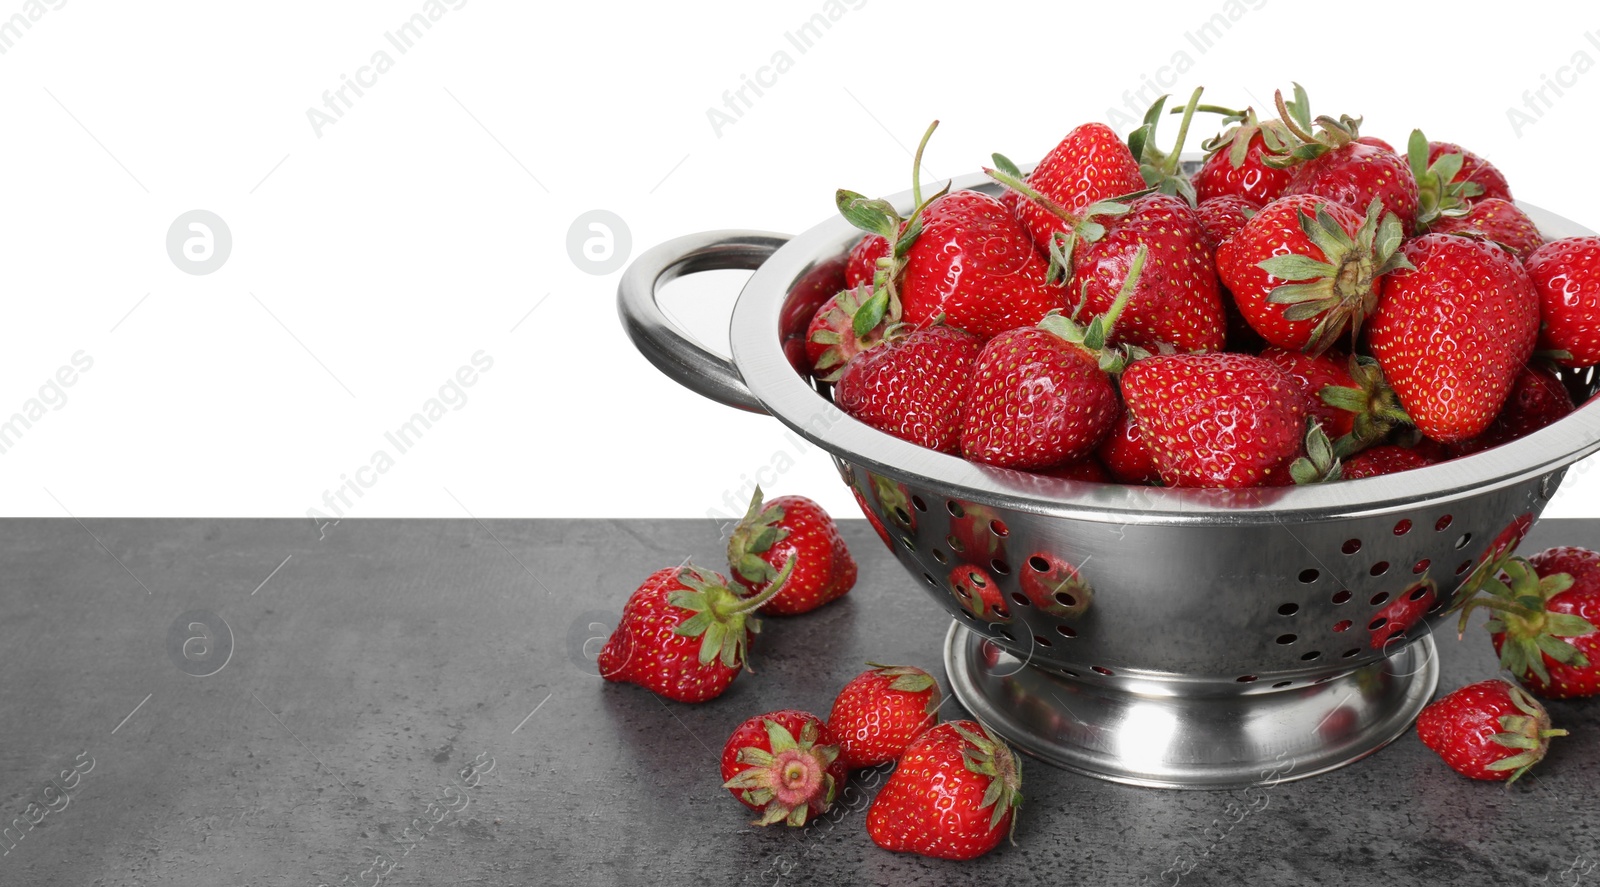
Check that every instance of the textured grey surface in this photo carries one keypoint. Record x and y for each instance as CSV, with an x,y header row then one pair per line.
x,y
383,657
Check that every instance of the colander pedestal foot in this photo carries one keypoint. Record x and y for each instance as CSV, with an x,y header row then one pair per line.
x,y
1188,734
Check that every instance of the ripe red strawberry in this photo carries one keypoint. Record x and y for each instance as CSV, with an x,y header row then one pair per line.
x,y
1537,399
1498,220
1222,217
974,263
1337,163
863,261
1125,454
1452,332
1290,288
1349,396
978,594
790,528
1090,165
1234,166
785,765
1384,459
1473,169
1390,624
684,634
1566,274
1055,586
1489,730
1176,301
831,340
880,711
1314,373
1545,610
1217,420
912,386
954,794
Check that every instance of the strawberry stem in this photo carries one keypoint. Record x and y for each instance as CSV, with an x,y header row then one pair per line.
x,y
1129,284
746,605
1021,187
1171,165
916,165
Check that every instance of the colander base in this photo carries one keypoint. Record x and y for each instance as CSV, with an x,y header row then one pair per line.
x,y
1170,737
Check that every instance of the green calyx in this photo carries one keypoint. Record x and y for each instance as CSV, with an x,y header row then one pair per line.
x,y
1313,138
878,216
754,536
784,782
1529,733
988,755
1094,336
1241,127
1160,168
1081,227
1321,463
1438,194
830,363
1518,597
910,679
722,619
1377,408
1342,290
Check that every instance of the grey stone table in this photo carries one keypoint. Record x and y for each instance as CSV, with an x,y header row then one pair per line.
x,y
223,702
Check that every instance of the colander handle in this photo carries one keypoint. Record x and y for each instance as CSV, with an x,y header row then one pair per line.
x,y
663,342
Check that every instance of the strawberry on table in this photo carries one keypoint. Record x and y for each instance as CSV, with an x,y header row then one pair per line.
x,y
880,711
912,386
684,633
954,794
1217,420
790,528
1452,331
1545,610
784,765
1566,275
1490,730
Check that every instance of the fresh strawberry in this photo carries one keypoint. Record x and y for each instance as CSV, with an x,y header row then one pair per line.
x,y
1537,399
684,634
1222,217
1473,169
862,265
1304,269
1314,373
1234,164
1337,163
1055,586
790,528
978,594
912,386
1217,420
1390,624
784,765
1452,331
872,518
831,340
880,711
1088,166
954,794
1349,396
1125,454
1566,274
1545,610
1383,459
1489,730
1498,220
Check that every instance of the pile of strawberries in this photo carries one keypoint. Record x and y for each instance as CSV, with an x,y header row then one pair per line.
x,y
1311,305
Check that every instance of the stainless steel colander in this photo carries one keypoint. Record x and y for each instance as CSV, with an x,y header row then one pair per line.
x,y
1164,637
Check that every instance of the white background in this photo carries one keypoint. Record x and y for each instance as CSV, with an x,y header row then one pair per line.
x,y
371,261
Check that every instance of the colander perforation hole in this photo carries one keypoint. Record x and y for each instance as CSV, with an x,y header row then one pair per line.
x,y
1069,673
909,543
1465,566
931,581
1101,669
1281,684
904,516
1042,641
918,504
955,508
1377,623
1418,593
955,544
1065,599
1379,568
1379,599
1342,625
1000,630
1246,679
1288,609
1438,605
1311,656
1340,597
1038,564
1421,566
1351,546
1287,639
1462,542
1066,631
1403,527
1021,599
940,556
998,527
1001,567
1350,653
1310,575
1443,523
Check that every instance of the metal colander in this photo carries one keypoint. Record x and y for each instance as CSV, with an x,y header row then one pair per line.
x,y
1182,638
